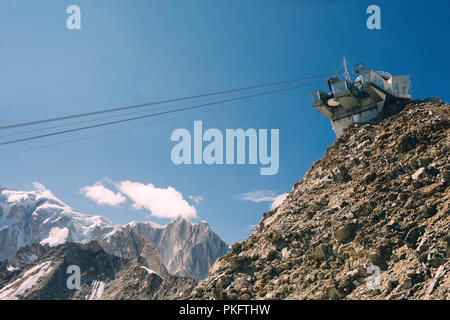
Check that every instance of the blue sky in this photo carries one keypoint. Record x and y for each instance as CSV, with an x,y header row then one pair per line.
x,y
130,52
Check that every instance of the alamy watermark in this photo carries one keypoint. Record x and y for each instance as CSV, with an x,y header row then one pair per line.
x,y
74,280
374,279
73,22
234,152
374,20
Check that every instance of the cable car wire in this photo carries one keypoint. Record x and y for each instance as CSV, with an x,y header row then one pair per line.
x,y
79,115
96,119
155,114
108,132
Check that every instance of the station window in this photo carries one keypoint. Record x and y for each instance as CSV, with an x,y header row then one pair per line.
x,y
405,88
316,95
378,82
339,87
365,77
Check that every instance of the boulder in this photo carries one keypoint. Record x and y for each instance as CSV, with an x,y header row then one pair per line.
x,y
345,233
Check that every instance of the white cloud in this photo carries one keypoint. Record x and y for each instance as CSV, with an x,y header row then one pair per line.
x,y
258,196
264,196
278,200
162,203
196,199
102,195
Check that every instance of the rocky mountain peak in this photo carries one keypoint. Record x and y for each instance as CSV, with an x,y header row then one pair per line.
x,y
183,247
180,219
369,220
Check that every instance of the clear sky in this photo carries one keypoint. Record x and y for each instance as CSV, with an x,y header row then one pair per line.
x,y
130,52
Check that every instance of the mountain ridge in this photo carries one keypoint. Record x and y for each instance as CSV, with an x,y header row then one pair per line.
x,y
103,276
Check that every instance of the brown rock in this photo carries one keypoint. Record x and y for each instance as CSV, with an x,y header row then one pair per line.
x,y
345,233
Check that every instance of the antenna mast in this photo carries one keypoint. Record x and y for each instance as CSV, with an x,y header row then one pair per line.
x,y
346,74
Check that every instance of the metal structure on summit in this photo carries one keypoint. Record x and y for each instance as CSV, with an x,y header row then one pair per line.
x,y
371,94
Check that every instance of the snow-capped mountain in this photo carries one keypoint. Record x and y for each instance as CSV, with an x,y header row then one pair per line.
x,y
181,247
39,217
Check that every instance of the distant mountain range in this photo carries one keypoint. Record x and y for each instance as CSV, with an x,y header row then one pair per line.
x,y
180,248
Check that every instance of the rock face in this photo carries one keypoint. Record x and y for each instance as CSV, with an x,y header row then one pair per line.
x,y
29,254
128,244
103,276
370,220
185,248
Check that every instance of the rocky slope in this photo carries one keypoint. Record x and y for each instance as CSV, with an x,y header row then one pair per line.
x,y
103,276
378,201
181,247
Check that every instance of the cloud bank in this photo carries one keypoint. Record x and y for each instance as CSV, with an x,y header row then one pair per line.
x,y
160,202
